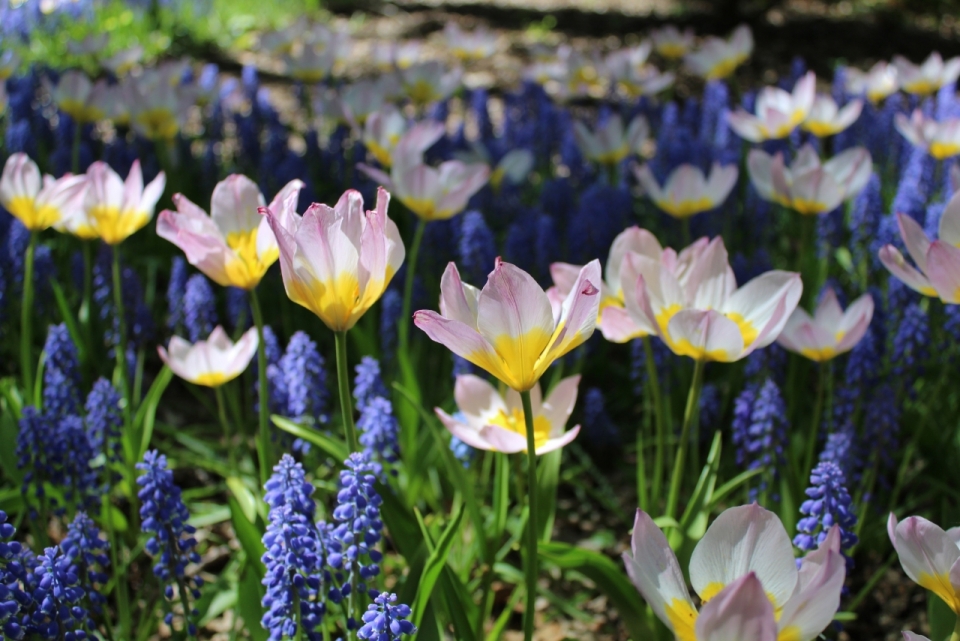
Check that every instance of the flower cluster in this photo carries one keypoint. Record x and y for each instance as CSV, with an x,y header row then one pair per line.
x,y
828,504
760,430
172,544
384,621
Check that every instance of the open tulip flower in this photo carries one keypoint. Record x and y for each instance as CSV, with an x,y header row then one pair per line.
x,y
39,203
742,568
492,422
826,118
212,362
876,84
234,246
939,139
510,328
831,331
778,112
383,130
610,144
929,555
707,317
114,209
928,77
672,43
470,45
432,193
429,82
337,261
687,191
719,57
79,98
807,186
937,271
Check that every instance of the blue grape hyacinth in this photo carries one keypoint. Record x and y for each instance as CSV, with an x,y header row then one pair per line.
x,y
828,504
367,384
199,308
84,546
379,431
384,621
61,373
171,542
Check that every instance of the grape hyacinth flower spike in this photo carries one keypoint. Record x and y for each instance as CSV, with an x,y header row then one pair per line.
x,y
830,331
688,191
488,421
937,271
384,621
114,208
745,541
827,511
929,555
234,245
778,112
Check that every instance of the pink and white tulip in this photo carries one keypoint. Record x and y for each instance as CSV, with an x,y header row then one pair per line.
x,y
927,77
876,84
687,191
929,555
807,186
337,261
830,331
429,82
114,209
743,570
826,118
211,362
79,98
610,144
39,203
719,57
778,112
707,317
937,271
470,45
432,193
488,421
672,43
234,246
939,139
510,328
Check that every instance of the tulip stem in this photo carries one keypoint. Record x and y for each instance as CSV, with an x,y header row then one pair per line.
x,y
263,440
693,399
227,431
653,381
26,326
403,329
343,381
532,564
814,430
120,349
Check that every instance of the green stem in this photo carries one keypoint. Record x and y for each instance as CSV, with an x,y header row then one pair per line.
x,y
956,630
693,398
26,321
343,381
75,152
403,328
121,348
814,430
532,561
653,382
227,431
86,307
298,635
264,453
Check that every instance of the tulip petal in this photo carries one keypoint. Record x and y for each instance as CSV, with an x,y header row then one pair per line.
x,y
704,336
943,269
559,404
741,612
742,540
462,340
458,300
928,555
895,263
812,607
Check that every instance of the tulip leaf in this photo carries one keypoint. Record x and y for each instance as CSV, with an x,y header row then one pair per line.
x,y
548,478
245,498
609,578
250,537
249,597
434,565
8,455
146,416
721,492
699,501
333,447
942,618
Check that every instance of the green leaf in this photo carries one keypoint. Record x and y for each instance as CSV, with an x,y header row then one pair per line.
x,y
731,485
73,326
245,498
249,595
8,455
501,623
111,512
333,447
608,577
548,478
220,603
400,521
501,496
250,537
408,412
146,416
942,618
696,507
434,565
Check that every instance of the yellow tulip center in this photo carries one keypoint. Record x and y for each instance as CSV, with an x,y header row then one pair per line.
x,y
683,618
514,421
808,207
249,267
820,128
723,68
941,585
114,226
158,123
211,379
422,92
671,50
941,150
34,218
685,208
